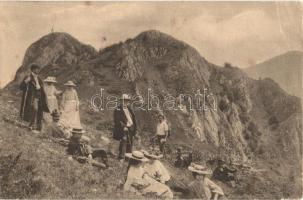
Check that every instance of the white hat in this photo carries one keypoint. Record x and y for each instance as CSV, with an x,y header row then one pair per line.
x,y
70,83
50,79
125,97
137,155
199,169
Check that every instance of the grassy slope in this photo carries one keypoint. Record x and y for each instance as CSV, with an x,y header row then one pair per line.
x,y
45,171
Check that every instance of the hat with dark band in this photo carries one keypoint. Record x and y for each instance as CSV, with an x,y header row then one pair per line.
x,y
77,132
137,155
70,83
50,79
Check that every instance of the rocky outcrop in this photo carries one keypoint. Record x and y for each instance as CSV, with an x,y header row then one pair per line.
x,y
55,54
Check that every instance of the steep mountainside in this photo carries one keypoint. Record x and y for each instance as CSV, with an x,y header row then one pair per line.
x,y
285,69
245,119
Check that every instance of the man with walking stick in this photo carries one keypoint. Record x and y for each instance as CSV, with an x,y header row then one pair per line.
x,y
125,127
33,102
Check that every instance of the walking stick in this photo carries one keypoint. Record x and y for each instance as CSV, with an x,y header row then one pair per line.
x,y
24,101
128,140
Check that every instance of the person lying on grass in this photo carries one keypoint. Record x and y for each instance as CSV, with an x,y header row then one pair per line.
x,y
81,150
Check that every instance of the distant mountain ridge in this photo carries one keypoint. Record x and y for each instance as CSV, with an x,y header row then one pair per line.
x,y
285,69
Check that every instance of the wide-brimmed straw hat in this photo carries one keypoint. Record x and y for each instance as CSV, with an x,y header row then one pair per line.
x,y
77,132
199,169
50,79
137,155
70,83
155,155
125,97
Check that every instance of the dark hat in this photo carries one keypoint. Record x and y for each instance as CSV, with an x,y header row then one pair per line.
x,y
55,114
220,161
34,66
161,115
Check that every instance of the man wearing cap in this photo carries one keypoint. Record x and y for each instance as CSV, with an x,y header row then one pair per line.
x,y
125,127
79,147
202,187
33,102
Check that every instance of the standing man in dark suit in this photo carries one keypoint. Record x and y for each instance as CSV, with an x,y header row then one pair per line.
x,y
125,127
33,102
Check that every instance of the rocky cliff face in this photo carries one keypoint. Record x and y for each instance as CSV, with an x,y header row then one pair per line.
x,y
244,119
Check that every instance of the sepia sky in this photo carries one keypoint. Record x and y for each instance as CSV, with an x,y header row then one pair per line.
x,y
242,33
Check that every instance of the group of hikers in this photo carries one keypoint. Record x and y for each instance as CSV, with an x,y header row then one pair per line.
x,y
146,173
41,96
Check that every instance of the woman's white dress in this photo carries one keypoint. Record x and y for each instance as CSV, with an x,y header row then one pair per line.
x,y
70,109
52,102
157,171
137,176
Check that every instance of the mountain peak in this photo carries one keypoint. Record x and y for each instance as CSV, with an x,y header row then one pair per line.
x,y
58,37
155,36
55,52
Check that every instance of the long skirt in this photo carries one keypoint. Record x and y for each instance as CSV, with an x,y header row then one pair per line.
x,y
70,114
158,188
52,104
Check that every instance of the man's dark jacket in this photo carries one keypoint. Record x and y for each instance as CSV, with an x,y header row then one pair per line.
x,y
29,93
120,121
